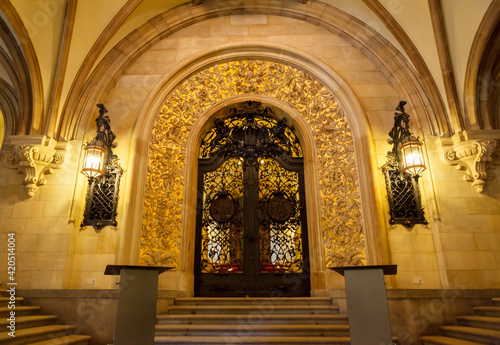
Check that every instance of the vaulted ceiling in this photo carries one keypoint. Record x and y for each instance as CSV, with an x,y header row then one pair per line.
x,y
48,48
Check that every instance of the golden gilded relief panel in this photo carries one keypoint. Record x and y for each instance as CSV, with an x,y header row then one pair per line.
x,y
340,205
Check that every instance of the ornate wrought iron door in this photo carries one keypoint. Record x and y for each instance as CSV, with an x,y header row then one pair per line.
x,y
251,225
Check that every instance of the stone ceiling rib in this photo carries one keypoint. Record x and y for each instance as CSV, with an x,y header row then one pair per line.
x,y
417,60
62,61
446,65
93,54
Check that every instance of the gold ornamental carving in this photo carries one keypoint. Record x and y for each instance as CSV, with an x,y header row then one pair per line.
x,y
340,204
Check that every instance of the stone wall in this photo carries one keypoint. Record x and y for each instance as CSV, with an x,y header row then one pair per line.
x,y
458,249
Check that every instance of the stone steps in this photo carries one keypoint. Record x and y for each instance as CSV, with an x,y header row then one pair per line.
x,y
34,329
441,340
275,319
261,330
302,301
248,309
479,335
23,322
487,311
253,340
481,328
479,322
35,334
4,301
20,311
256,321
67,340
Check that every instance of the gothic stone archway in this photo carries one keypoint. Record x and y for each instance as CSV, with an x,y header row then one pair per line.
x,y
342,232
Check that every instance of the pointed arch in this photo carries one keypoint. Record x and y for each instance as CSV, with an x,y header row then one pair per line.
x,y
376,245
20,46
480,63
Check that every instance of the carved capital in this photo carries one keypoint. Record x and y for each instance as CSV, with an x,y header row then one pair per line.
x,y
35,157
473,152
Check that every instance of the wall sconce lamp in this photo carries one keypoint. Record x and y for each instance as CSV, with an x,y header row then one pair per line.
x,y
101,167
404,165
93,160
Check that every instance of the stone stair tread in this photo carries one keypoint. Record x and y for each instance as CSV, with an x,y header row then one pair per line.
x,y
487,308
489,333
211,307
260,327
29,318
232,319
487,311
442,340
6,299
19,308
251,340
487,319
35,331
221,316
311,301
230,309
66,340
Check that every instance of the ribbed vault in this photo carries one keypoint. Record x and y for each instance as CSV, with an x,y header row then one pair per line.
x,y
378,49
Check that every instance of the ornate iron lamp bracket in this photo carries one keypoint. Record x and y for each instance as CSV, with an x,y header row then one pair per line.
x,y
102,193
405,206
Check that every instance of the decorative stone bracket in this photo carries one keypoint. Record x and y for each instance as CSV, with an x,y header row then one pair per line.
x,y
35,157
472,151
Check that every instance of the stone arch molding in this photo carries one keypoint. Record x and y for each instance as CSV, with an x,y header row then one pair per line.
x,y
342,231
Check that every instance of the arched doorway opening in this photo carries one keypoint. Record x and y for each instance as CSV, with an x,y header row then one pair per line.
x,y
334,219
251,228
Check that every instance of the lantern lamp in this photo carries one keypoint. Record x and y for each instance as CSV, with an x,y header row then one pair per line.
x,y
405,163
93,160
412,156
101,167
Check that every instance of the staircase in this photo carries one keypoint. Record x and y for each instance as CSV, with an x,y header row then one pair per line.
x,y
481,328
256,321
32,328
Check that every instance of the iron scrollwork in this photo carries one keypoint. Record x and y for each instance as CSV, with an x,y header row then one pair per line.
x,y
222,219
280,227
250,139
405,205
102,193
250,132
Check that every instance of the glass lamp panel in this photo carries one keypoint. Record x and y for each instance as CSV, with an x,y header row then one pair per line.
x,y
413,158
93,161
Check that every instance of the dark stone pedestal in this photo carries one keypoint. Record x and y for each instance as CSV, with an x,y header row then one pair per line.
x,y
136,311
369,322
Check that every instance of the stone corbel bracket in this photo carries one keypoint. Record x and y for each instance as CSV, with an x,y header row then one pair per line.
x,y
471,151
35,157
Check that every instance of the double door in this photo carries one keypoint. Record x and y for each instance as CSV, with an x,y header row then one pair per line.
x,y
251,228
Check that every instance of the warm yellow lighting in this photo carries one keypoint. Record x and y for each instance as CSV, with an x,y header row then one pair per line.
x,y
93,161
412,156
